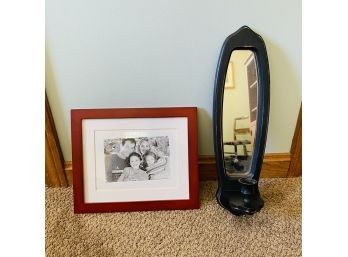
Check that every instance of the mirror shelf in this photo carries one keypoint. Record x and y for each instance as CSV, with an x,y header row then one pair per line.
x,y
240,118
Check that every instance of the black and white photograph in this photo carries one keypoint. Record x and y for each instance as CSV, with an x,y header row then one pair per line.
x,y
137,159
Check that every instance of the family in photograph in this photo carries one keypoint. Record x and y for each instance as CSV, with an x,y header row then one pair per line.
x,y
136,159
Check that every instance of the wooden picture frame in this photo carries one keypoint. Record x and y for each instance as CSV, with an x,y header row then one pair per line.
x,y
107,175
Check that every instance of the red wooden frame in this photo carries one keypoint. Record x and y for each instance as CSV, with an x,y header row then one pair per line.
x,y
77,115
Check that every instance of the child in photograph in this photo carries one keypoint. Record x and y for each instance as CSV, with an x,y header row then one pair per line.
x,y
133,172
155,167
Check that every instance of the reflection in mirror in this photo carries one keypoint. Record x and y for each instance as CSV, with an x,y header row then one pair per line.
x,y
239,112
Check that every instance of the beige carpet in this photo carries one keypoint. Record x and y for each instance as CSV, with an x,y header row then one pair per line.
x,y
209,231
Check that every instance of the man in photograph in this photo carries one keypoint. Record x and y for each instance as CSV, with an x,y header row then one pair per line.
x,y
118,161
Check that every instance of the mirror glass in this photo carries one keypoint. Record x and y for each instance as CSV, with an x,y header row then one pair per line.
x,y
240,112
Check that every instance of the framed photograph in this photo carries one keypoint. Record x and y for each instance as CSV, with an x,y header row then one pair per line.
x,y
134,159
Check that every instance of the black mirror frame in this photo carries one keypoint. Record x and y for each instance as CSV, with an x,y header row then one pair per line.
x,y
229,188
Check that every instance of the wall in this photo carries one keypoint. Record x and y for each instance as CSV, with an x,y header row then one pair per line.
x,y
164,53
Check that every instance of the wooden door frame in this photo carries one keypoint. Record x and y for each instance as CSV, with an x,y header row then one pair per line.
x,y
54,161
295,168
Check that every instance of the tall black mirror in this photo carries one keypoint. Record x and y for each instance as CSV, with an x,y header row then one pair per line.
x,y
240,116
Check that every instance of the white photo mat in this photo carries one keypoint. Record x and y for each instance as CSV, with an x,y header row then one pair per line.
x,y
97,190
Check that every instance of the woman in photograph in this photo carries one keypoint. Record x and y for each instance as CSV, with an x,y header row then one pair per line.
x,y
145,146
133,172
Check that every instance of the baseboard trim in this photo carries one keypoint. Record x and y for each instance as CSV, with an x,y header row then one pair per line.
x,y
275,165
68,168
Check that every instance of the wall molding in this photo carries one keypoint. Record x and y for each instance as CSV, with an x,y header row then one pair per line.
x,y
68,168
275,165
